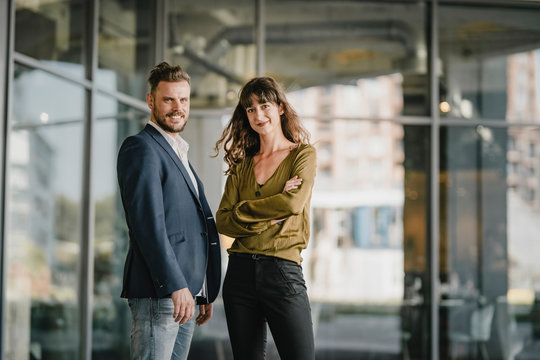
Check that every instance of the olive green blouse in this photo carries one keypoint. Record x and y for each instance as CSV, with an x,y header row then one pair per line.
x,y
247,208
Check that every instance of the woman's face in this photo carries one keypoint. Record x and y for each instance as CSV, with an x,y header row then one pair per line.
x,y
264,118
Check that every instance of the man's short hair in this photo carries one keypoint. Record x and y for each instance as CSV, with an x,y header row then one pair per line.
x,y
166,72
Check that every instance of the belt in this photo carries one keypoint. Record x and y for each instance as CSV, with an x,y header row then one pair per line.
x,y
253,256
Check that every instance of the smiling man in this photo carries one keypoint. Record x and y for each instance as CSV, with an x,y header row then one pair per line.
x,y
173,260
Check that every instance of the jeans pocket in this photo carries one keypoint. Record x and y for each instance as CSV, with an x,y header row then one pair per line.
x,y
163,308
132,303
292,274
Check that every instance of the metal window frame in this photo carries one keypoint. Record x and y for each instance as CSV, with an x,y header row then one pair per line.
x,y
6,47
434,169
86,255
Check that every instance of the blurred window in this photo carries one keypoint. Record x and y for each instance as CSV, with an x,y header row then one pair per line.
x,y
489,60
43,229
52,31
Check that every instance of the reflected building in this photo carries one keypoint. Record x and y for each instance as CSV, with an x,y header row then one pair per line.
x,y
524,146
30,223
357,201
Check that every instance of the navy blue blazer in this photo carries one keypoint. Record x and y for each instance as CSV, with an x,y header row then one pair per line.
x,y
173,240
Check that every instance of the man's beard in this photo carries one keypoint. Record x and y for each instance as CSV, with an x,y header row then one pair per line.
x,y
162,122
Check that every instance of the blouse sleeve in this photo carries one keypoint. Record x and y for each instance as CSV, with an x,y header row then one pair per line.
x,y
226,222
286,203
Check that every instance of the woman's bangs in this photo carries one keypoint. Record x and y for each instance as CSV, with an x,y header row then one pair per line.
x,y
263,96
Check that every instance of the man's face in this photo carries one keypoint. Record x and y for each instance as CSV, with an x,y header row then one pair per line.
x,y
170,106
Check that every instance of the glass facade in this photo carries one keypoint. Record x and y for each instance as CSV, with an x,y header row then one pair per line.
x,y
111,319
426,206
52,32
489,61
126,45
215,42
42,237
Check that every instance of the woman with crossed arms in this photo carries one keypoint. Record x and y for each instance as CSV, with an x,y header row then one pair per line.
x,y
265,208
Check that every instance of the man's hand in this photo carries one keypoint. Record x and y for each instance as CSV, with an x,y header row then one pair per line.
x,y
205,313
184,305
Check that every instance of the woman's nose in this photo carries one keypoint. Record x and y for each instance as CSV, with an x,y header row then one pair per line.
x,y
259,113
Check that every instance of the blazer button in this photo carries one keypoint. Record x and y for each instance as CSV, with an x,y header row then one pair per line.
x,y
204,234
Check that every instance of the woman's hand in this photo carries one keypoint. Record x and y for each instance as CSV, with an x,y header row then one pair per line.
x,y
292,183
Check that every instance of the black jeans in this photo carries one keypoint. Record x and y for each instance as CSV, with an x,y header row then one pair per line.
x,y
259,289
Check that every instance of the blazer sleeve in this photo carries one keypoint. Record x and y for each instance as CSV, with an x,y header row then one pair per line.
x,y
139,175
248,217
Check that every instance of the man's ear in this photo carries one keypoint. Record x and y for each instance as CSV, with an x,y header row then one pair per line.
x,y
150,101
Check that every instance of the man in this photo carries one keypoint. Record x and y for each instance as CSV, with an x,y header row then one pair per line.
x,y
174,252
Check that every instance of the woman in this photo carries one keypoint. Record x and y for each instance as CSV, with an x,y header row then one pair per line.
x,y
265,207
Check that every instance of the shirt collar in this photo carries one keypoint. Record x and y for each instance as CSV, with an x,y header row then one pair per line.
x,y
175,142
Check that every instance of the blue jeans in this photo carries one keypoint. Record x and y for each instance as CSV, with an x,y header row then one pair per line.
x,y
258,290
154,333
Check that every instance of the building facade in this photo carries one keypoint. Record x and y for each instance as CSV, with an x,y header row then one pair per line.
x,y
426,206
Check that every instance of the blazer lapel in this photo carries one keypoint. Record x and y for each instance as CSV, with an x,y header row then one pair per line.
x,y
176,159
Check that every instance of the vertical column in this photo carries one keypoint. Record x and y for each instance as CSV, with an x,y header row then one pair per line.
x,y
161,23
434,179
86,267
259,36
5,69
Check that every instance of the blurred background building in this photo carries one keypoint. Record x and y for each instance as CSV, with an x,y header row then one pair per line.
x,y
426,209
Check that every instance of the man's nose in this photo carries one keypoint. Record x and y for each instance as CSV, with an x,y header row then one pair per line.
x,y
177,104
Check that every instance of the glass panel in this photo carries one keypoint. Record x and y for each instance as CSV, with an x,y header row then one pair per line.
x,y
126,45
43,210
53,31
339,42
214,42
490,59
365,266
111,316
489,273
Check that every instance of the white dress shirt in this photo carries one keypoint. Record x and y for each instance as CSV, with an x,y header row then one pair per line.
x,y
181,148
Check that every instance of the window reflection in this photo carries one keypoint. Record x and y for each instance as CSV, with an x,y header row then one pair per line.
x,y
126,48
42,231
51,30
356,260
214,42
111,317
496,81
522,325
324,42
489,217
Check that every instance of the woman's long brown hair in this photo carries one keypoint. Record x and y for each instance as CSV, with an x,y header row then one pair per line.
x,y
239,140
